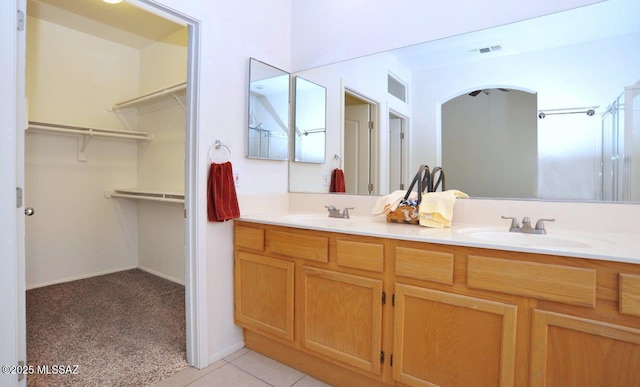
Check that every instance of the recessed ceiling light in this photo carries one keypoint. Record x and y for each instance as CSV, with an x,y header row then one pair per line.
x,y
112,1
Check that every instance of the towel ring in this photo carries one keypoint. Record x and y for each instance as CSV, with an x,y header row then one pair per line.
x,y
216,146
337,161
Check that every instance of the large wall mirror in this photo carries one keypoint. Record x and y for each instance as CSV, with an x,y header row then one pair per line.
x,y
579,70
310,121
268,132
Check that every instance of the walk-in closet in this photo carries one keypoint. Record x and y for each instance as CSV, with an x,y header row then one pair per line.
x,y
104,171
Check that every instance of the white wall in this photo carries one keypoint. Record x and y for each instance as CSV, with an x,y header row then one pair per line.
x,y
77,232
333,30
232,32
161,161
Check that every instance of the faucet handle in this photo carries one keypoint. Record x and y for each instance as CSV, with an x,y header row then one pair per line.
x,y
540,225
331,208
514,223
345,212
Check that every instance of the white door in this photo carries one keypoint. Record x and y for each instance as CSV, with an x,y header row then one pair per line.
x,y
357,150
12,301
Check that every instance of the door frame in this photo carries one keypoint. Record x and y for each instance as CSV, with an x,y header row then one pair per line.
x,y
195,268
374,141
404,159
13,322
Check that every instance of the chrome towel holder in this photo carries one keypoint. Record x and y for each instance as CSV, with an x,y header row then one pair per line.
x,y
217,145
337,161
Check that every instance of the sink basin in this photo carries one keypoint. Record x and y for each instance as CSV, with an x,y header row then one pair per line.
x,y
532,240
319,220
492,234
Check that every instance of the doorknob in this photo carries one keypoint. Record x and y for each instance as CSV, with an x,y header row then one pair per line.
x,y
29,211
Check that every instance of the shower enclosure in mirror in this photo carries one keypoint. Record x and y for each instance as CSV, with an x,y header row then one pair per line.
x,y
268,136
309,121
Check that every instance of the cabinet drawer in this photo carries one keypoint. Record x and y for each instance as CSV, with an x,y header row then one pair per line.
x,y
424,265
361,255
249,237
570,285
314,248
630,294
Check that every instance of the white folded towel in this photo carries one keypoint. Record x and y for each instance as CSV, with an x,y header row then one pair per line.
x,y
390,202
436,208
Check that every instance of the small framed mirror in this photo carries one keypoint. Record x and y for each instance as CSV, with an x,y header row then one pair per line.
x,y
269,92
309,121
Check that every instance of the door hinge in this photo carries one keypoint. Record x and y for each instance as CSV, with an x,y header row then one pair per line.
x,y
401,136
401,185
381,357
18,197
384,298
370,187
21,366
185,213
391,360
20,20
393,301
370,125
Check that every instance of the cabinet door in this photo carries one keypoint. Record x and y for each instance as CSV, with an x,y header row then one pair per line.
x,y
452,340
573,351
343,317
264,294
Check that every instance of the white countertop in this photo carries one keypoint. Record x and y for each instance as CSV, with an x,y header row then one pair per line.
x,y
601,246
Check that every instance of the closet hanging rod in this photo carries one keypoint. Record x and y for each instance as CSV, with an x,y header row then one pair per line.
x,y
150,96
86,131
312,131
146,195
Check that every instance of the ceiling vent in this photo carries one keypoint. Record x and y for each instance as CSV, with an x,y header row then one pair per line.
x,y
485,50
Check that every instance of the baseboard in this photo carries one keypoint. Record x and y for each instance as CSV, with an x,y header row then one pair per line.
x,y
80,277
225,352
161,275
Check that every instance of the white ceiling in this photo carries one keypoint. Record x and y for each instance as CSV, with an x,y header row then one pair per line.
x,y
122,23
598,21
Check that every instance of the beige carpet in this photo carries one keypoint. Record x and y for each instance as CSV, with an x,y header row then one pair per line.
x,y
121,329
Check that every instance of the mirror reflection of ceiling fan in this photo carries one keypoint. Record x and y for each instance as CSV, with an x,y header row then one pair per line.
x,y
486,91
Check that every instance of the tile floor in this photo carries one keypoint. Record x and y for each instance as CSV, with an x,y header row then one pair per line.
x,y
243,368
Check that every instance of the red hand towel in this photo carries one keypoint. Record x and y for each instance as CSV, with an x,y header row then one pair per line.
x,y
337,181
222,202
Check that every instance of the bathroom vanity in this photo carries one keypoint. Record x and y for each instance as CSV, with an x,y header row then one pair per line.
x,y
362,302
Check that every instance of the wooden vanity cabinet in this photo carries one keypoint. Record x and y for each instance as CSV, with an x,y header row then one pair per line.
x,y
453,315
514,319
330,284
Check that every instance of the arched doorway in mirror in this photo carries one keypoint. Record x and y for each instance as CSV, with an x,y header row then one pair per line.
x,y
490,143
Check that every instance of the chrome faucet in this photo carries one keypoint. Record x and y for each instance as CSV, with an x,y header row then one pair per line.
x,y
335,213
540,226
526,225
